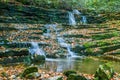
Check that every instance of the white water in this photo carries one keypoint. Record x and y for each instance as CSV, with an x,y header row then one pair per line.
x,y
84,19
62,43
35,49
61,40
71,19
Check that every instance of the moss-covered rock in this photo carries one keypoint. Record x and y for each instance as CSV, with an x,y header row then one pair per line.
x,y
29,70
67,73
76,77
104,72
14,52
60,78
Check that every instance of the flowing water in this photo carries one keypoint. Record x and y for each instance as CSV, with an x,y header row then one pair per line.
x,y
62,43
71,19
35,49
84,20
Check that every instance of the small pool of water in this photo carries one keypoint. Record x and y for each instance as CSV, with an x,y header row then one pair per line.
x,y
88,66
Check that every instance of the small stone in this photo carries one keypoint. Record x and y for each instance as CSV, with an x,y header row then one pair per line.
x,y
12,76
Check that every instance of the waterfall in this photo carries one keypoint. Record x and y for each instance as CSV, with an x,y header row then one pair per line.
x,y
84,19
62,43
71,19
60,39
35,49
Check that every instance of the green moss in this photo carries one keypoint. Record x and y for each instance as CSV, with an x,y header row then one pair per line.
x,y
99,43
93,51
61,78
105,36
67,73
29,70
76,77
89,44
110,48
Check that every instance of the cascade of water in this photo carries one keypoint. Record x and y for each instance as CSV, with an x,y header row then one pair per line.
x,y
84,19
71,19
60,39
62,43
70,53
35,49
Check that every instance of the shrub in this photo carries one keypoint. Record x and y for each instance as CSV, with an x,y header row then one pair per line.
x,y
104,72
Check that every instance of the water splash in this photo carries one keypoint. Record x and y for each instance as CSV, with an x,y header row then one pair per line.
x,y
35,49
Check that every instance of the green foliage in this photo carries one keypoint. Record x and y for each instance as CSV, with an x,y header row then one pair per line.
x,y
103,5
104,72
96,5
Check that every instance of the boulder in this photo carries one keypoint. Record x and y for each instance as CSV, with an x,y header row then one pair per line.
x,y
67,73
